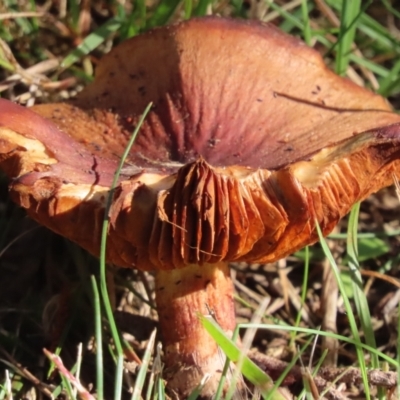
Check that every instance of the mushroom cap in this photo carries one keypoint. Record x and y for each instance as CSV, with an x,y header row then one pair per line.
x,y
250,140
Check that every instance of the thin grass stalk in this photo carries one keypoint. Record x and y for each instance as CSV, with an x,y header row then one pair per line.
x,y
318,365
5,64
311,331
310,391
99,341
78,365
150,385
34,21
155,376
59,389
68,387
197,390
340,236
305,12
201,8
360,299
249,369
160,389
288,16
303,290
119,375
103,246
142,11
188,7
163,13
288,368
370,65
359,295
350,12
129,26
379,34
111,350
316,369
221,384
350,315
389,7
392,79
141,376
91,42
246,344
73,13
218,394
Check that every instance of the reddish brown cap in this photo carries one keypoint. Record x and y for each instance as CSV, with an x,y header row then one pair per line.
x,y
249,141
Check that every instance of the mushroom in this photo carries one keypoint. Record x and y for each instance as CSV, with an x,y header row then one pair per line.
x,y
251,141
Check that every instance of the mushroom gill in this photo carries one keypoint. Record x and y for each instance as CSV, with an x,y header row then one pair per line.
x,y
250,141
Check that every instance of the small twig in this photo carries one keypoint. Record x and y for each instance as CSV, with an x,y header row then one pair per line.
x,y
22,371
26,14
83,392
248,291
30,75
378,275
286,7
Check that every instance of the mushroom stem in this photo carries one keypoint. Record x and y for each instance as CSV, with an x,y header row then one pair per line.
x,y
189,351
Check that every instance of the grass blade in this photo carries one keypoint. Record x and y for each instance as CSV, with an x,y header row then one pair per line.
x,y
303,290
99,340
163,13
306,20
290,365
250,370
201,8
119,374
350,315
360,299
92,41
103,246
310,331
197,390
359,296
349,15
141,376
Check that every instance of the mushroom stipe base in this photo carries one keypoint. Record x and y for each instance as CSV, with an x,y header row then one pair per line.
x,y
189,350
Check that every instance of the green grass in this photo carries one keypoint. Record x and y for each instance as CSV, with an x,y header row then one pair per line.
x,y
358,28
